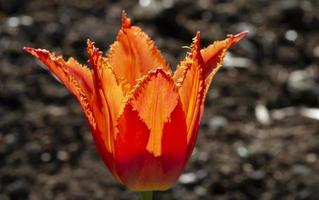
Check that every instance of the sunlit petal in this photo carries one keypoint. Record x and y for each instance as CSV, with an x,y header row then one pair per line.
x,y
134,54
189,75
136,166
77,78
110,97
155,97
214,54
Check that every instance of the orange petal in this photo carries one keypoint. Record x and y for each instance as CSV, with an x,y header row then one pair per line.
x,y
63,69
152,135
134,54
189,76
194,76
136,165
77,78
130,145
214,54
175,148
100,140
110,97
155,97
104,132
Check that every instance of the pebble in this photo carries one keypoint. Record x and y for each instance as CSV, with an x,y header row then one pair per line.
x,y
231,61
288,4
217,122
311,158
203,156
282,113
10,138
258,175
244,26
45,157
192,178
187,178
301,170
56,111
301,80
19,21
62,155
291,35
200,191
145,3
312,113
316,51
243,152
262,114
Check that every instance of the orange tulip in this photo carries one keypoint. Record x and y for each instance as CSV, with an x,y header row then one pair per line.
x,y
143,117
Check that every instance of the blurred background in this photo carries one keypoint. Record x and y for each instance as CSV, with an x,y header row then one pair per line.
x,y
259,138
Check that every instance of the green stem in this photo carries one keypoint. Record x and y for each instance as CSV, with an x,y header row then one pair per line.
x,y
148,195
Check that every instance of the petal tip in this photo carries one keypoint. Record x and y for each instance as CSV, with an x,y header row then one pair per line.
x,y
126,21
236,38
30,50
196,41
94,53
89,42
36,52
196,49
27,49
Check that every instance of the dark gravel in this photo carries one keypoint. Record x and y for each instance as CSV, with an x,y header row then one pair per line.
x,y
259,138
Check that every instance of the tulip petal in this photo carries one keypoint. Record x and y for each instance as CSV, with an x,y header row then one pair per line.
x,y
110,96
130,145
175,147
155,97
77,78
101,142
214,54
189,77
194,76
134,54
138,168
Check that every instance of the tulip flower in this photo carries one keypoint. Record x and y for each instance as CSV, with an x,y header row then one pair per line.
x,y
144,118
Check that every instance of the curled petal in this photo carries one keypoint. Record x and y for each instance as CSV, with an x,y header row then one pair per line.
x,y
109,94
134,54
63,69
214,54
77,78
189,75
194,76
